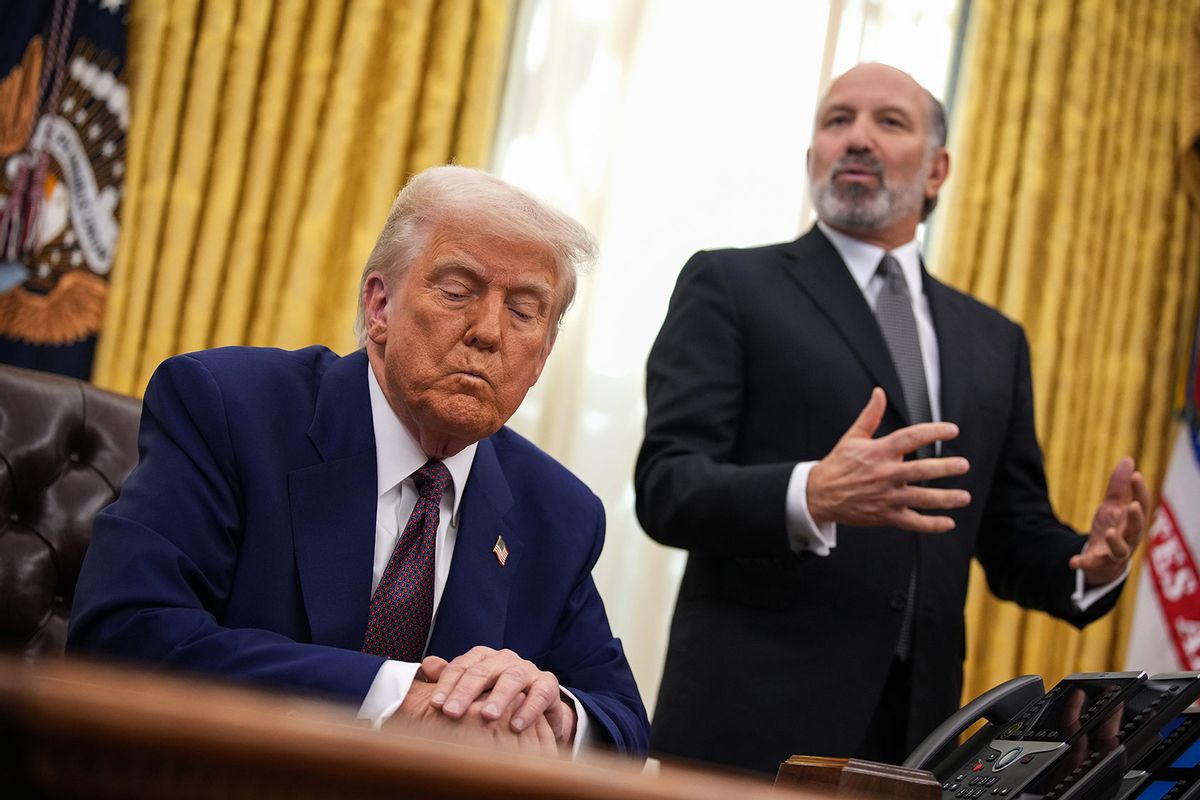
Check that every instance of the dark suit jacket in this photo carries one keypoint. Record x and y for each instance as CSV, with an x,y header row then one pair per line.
x,y
765,358
242,544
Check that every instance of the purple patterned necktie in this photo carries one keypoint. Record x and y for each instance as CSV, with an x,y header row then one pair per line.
x,y
402,605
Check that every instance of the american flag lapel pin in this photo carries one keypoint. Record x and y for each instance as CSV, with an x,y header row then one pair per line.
x,y
500,550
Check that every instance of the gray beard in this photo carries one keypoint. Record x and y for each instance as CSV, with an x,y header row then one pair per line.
x,y
861,208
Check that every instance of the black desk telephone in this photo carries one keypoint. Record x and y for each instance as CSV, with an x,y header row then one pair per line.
x,y
1094,736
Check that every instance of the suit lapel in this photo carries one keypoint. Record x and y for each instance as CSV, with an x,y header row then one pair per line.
x,y
815,264
333,508
474,606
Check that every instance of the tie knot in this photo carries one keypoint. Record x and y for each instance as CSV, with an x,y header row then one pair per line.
x,y
889,267
893,276
432,479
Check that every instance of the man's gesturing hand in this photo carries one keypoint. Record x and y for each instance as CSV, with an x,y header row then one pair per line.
x,y
505,675
1117,526
866,481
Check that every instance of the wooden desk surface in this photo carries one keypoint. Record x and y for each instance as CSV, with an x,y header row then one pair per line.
x,y
72,729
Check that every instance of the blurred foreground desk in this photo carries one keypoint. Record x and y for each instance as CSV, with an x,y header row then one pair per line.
x,y
69,729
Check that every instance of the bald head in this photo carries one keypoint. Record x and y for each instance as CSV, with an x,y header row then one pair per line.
x,y
883,74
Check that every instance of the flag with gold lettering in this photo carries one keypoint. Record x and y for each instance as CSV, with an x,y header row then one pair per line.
x,y
64,114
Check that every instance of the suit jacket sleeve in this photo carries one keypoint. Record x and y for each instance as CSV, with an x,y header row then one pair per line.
x,y
691,490
590,662
1023,547
162,559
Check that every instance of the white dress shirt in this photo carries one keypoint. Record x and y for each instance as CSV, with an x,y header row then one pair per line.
x,y
862,260
397,456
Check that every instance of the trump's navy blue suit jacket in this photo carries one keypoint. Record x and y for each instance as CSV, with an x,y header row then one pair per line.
x,y
242,544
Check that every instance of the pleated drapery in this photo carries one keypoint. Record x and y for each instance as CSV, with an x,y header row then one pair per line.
x,y
1068,210
267,142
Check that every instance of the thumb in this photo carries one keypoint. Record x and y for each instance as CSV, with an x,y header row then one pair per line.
x,y
431,668
1120,480
870,417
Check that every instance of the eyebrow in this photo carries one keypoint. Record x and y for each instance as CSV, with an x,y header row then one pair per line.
x,y
523,285
533,286
892,109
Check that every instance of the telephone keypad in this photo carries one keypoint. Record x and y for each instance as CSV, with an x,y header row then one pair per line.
x,y
1030,752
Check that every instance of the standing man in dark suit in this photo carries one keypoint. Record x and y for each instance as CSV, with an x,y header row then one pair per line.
x,y
807,403
364,528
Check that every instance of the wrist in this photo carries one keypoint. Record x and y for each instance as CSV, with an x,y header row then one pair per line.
x,y
566,734
812,497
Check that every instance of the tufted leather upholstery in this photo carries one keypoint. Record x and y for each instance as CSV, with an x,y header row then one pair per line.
x,y
65,449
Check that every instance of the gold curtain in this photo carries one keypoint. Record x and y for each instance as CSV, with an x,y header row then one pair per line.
x,y
1068,211
267,142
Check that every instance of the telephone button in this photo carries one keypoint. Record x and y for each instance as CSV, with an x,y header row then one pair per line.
x,y
960,777
978,766
1006,759
1027,759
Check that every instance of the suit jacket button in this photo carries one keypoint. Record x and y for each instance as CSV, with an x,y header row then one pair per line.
x,y
899,601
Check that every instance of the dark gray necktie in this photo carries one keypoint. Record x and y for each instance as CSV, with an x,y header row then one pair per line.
x,y
894,312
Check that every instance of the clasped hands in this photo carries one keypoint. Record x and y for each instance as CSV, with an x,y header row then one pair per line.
x,y
490,697
866,482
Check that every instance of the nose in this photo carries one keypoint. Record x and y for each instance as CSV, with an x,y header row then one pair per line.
x,y
484,321
859,138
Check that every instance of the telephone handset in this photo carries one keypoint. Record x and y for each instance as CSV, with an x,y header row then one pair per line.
x,y
1072,743
996,706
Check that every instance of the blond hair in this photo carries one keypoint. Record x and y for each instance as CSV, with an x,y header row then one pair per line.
x,y
452,198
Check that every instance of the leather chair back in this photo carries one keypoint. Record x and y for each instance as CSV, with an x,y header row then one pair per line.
x,y
65,449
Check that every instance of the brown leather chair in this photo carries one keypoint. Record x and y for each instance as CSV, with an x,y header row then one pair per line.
x,y
65,449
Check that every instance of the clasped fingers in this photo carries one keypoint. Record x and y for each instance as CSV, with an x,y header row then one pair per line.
x,y
505,675
541,692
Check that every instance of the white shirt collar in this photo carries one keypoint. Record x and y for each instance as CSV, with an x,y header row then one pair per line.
x,y
862,259
398,455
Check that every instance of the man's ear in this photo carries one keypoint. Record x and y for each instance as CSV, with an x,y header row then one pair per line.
x,y
939,170
375,308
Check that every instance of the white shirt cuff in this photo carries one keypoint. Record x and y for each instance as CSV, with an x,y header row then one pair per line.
x,y
1083,598
387,691
804,533
583,735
